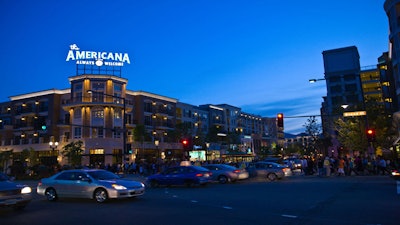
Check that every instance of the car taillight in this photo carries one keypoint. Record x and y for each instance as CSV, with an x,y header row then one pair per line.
x,y
40,183
236,171
199,175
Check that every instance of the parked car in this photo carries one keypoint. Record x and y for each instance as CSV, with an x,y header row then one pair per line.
x,y
13,194
96,184
225,173
181,175
271,171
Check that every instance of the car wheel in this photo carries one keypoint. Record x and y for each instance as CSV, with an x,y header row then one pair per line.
x,y
154,184
100,195
51,194
189,183
223,179
271,176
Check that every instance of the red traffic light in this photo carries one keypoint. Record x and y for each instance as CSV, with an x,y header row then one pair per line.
x,y
371,136
184,142
279,117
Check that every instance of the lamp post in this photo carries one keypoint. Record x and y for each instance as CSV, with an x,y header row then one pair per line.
x,y
156,143
207,147
123,120
315,80
53,146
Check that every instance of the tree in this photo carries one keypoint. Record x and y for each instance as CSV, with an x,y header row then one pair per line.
x,y
73,151
5,157
139,133
351,133
313,130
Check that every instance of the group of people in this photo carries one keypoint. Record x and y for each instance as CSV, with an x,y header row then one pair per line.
x,y
344,166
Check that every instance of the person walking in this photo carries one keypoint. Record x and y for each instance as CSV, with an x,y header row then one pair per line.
x,y
340,170
382,166
327,166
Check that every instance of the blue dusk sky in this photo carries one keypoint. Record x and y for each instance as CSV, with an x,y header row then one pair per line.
x,y
255,54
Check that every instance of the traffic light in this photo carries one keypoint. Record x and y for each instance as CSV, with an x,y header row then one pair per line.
x,y
371,135
186,143
128,149
279,119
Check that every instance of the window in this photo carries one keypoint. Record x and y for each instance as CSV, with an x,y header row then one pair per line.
x,y
65,176
77,132
336,89
349,77
351,87
117,114
77,113
97,117
97,86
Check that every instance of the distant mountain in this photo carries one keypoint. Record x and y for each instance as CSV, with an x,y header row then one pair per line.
x,y
287,135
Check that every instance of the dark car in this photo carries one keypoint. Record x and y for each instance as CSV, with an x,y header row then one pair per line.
x,y
395,174
13,194
225,173
181,175
96,184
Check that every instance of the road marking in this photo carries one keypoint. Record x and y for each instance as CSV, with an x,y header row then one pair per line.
x,y
194,201
289,216
227,207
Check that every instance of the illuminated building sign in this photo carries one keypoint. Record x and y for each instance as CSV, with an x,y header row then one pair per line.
x,y
96,58
356,113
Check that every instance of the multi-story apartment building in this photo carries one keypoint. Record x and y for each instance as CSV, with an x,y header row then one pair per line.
x,y
100,111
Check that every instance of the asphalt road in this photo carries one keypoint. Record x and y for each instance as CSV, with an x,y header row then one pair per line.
x,y
295,200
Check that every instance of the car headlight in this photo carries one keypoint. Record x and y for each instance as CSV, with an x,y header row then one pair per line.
x,y
26,190
118,187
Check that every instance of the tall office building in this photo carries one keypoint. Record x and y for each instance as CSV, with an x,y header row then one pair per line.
x,y
343,83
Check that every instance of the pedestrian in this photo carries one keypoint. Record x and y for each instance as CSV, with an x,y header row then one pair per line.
x,y
341,163
304,166
382,166
327,166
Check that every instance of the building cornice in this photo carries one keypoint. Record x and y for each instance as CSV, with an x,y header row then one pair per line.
x,y
151,95
40,93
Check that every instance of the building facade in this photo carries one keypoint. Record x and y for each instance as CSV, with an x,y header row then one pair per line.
x,y
118,125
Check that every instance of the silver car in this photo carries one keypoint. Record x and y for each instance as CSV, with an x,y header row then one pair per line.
x,y
97,184
225,173
269,170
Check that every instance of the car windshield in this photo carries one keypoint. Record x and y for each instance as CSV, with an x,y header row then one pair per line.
x,y
228,167
199,168
103,175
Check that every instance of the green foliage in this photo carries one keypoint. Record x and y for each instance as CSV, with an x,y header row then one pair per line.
x,y
139,133
351,133
73,152
352,130
5,157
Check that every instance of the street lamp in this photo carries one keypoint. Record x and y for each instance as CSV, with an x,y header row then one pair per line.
x,y
207,146
123,119
53,146
156,143
315,80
